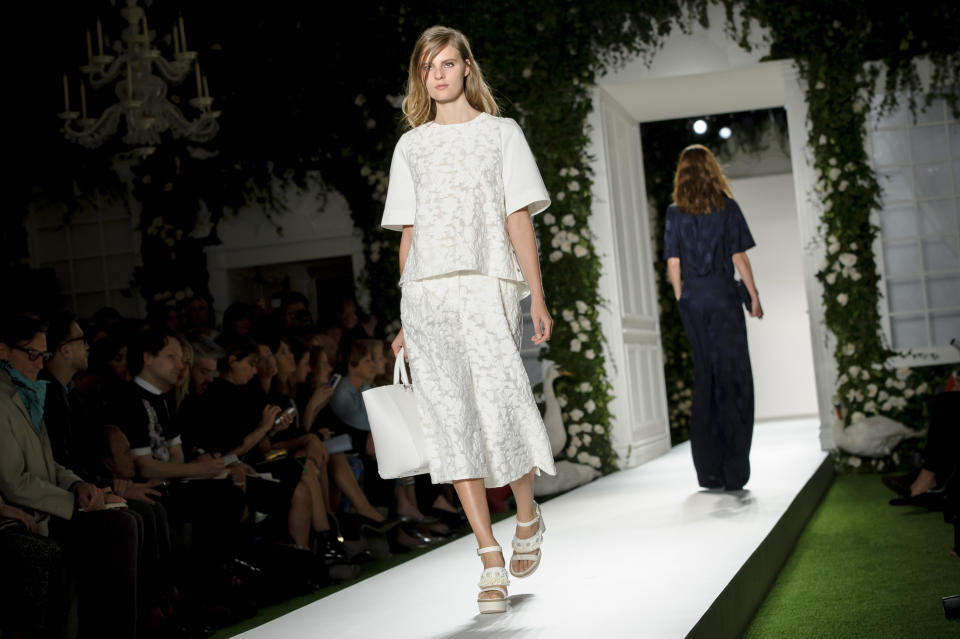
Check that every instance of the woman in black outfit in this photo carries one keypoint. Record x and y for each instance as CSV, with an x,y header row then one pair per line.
x,y
704,239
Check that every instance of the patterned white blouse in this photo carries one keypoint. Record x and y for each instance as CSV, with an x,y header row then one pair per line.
x,y
456,184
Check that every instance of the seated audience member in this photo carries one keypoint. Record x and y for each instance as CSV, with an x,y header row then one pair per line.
x,y
65,412
144,411
163,317
354,327
33,596
293,313
204,368
347,405
157,583
238,321
106,374
229,420
102,323
927,487
293,368
181,389
101,545
197,321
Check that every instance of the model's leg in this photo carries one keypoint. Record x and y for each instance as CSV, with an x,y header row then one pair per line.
x,y
473,496
526,511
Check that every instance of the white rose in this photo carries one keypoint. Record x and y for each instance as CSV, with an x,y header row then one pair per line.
x,y
595,462
581,307
871,390
575,345
842,299
922,388
573,172
598,429
575,442
567,315
854,274
585,323
832,161
548,218
571,451
573,185
864,375
583,457
589,354
579,251
882,396
834,174
854,371
586,440
908,393
527,72
590,406
847,259
564,172
843,186
560,196
842,380
562,401
855,462
833,248
849,349
576,414
574,429
582,337
831,278
903,373
857,417
823,139
586,387
555,256
870,407
819,85
568,220
566,246
574,327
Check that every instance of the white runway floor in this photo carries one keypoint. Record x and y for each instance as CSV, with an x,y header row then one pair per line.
x,y
640,553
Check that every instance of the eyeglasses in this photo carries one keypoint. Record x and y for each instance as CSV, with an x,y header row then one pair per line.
x,y
33,354
82,338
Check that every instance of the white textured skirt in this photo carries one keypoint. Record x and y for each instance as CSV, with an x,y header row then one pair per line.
x,y
462,333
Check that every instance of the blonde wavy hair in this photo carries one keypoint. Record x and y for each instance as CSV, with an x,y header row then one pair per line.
x,y
418,107
699,185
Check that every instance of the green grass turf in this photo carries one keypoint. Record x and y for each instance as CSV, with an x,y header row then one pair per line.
x,y
268,613
863,568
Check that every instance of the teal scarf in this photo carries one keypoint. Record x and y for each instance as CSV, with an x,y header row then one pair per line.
x,y
32,393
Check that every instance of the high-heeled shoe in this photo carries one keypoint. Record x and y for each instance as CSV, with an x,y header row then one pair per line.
x,y
523,548
493,579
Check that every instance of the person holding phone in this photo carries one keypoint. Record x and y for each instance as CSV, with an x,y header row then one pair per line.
x,y
704,239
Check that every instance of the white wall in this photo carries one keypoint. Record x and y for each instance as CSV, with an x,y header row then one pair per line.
x,y
780,347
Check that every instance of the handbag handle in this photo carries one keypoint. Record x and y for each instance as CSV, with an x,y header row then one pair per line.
x,y
400,371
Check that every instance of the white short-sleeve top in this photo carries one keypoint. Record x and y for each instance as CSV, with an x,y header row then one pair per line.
x,y
456,184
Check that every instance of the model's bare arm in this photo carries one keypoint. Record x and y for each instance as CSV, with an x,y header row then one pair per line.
x,y
406,238
742,262
673,270
520,230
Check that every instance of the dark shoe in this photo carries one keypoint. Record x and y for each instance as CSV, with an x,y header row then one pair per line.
x,y
900,482
328,548
931,500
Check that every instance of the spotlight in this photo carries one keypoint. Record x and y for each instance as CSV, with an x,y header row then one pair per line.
x,y
700,127
725,133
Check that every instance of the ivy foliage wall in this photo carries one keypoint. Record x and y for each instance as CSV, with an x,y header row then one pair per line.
x,y
303,93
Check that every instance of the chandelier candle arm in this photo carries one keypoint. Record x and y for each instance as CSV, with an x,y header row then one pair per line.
x,y
140,75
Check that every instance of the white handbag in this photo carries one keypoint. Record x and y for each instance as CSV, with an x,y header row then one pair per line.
x,y
395,425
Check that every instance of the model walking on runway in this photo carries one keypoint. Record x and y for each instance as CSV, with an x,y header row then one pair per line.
x,y
704,239
463,186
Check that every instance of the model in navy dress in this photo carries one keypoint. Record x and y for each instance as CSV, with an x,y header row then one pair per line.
x,y
705,237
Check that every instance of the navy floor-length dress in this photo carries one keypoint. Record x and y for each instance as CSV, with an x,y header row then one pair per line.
x,y
721,425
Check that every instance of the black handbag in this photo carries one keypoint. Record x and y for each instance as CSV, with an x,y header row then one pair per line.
x,y
744,295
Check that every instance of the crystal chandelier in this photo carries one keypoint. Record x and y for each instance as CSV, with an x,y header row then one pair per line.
x,y
140,75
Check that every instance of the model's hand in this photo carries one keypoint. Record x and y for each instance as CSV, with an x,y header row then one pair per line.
x,y
398,344
755,309
542,322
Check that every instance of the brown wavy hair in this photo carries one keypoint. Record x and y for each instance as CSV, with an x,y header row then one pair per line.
x,y
699,185
418,107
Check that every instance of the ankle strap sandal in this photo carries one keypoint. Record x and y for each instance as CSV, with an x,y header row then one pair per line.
x,y
493,579
523,549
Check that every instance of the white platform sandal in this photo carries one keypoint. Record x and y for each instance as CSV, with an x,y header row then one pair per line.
x,y
523,548
493,579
